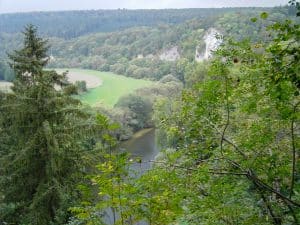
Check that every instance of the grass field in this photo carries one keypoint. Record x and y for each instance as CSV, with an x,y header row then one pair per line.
x,y
5,86
112,88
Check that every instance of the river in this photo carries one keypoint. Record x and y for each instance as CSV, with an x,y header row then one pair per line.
x,y
141,145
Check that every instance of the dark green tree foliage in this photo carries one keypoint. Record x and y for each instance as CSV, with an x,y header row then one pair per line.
x,y
241,124
135,38
81,86
232,143
70,24
140,109
40,150
29,61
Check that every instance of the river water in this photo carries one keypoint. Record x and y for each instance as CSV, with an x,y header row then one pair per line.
x,y
142,146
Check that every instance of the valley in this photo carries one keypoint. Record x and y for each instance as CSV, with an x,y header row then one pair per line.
x,y
185,116
105,88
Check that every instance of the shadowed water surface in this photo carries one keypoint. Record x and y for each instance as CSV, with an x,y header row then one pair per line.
x,y
141,145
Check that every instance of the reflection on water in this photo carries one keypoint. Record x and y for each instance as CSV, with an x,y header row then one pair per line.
x,y
142,145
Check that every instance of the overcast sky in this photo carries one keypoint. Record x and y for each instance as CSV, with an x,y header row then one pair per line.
x,y
54,5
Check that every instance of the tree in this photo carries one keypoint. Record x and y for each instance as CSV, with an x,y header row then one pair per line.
x,y
237,134
233,142
41,155
81,86
140,107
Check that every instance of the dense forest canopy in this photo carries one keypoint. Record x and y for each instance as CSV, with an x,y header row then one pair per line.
x,y
231,145
146,35
41,154
71,24
227,127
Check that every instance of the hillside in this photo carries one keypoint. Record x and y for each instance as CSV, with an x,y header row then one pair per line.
x,y
70,24
139,43
208,108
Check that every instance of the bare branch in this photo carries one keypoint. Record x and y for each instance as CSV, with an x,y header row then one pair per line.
x,y
227,115
251,176
271,212
227,139
294,152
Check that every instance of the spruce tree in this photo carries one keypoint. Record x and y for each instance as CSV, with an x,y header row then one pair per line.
x,y
40,140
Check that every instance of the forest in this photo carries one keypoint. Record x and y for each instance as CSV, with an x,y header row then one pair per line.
x,y
226,126
133,50
72,24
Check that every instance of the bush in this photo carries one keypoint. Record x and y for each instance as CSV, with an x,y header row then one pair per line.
x,y
81,86
141,109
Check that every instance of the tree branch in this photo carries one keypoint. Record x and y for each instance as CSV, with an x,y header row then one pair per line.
x,y
276,220
227,116
294,152
227,140
251,176
194,169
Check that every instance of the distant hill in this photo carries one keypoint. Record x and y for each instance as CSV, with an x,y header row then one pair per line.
x,y
70,24
137,43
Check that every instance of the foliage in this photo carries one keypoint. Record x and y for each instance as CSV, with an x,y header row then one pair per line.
x,y
135,111
81,86
232,142
140,109
71,24
195,72
231,137
239,125
136,50
41,135
128,200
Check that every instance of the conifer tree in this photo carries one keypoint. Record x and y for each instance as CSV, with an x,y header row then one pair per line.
x,y
40,140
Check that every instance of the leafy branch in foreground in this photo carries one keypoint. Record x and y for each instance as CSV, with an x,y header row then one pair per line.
x,y
232,144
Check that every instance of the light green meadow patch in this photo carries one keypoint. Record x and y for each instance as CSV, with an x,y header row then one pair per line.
x,y
112,88
5,86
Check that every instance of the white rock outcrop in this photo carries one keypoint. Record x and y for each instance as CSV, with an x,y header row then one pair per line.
x,y
211,44
171,54
140,56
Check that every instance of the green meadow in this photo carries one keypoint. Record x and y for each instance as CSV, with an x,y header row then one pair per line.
x,y
5,86
113,87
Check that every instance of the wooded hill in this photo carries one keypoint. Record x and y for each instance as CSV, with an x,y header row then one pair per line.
x,y
98,39
70,24
229,144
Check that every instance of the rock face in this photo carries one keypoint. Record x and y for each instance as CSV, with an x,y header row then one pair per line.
x,y
211,44
140,56
150,56
171,54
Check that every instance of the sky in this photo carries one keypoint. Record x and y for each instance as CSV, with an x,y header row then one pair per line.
x,y
8,6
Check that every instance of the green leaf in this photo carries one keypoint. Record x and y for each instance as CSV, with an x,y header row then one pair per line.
x,y
264,15
254,19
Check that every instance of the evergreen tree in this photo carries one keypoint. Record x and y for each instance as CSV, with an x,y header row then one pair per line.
x,y
40,140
